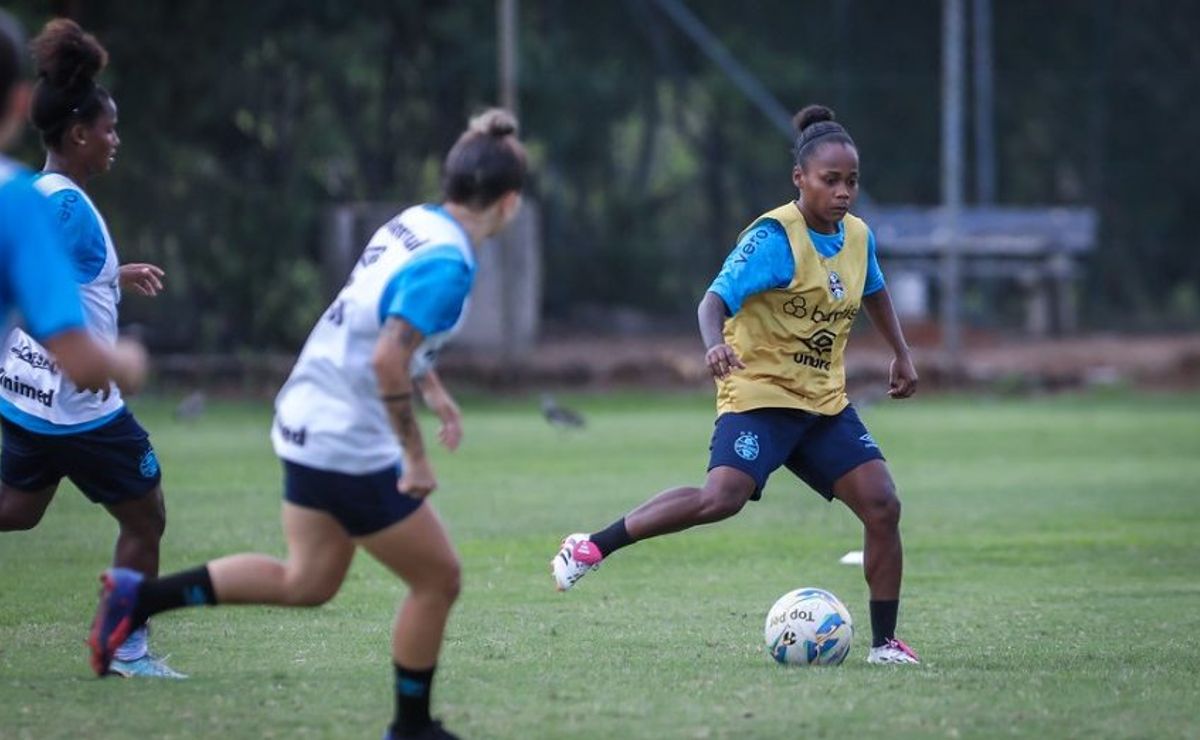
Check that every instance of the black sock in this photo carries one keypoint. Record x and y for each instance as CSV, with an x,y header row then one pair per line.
x,y
883,621
612,538
412,699
187,588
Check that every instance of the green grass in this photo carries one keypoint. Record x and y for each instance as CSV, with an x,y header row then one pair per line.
x,y
1053,587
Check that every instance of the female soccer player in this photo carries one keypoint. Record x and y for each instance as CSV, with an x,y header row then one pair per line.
x,y
338,419
775,322
35,277
52,429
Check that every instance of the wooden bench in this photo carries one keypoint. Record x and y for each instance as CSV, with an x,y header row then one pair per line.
x,y
1040,249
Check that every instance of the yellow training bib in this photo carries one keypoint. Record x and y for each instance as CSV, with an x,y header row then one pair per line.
x,y
792,339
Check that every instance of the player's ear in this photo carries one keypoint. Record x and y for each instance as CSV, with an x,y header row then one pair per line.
x,y
510,203
77,134
798,177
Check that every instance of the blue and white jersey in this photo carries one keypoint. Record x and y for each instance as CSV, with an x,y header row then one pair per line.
x,y
35,278
34,394
419,266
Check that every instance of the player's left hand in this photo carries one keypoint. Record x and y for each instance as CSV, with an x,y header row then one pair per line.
x,y
450,435
142,277
903,380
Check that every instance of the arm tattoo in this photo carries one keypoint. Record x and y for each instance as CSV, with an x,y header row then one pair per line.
x,y
404,421
398,400
403,334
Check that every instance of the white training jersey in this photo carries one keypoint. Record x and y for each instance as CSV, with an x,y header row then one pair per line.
x,y
328,415
34,394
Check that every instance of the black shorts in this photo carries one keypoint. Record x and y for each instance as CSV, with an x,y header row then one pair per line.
x,y
817,449
362,504
110,464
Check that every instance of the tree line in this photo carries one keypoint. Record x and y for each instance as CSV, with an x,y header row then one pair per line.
x,y
243,122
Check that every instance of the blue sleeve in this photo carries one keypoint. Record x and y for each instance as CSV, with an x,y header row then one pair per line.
x,y
762,260
874,282
80,233
37,273
429,292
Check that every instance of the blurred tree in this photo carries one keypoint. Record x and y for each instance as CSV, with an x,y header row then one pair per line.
x,y
241,122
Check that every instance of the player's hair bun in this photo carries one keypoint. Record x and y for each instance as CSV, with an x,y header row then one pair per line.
x,y
811,114
486,162
66,56
496,122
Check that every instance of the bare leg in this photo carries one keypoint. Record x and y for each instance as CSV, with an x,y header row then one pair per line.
x,y
869,492
725,492
142,523
419,551
22,510
319,554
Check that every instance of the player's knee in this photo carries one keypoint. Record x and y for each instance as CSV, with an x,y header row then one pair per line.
x,y
311,593
18,521
302,589
883,508
18,518
148,529
450,583
441,583
144,519
722,501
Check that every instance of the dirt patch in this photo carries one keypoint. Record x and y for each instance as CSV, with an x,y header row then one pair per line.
x,y
661,361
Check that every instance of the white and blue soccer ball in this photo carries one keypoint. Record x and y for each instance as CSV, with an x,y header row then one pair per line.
x,y
809,626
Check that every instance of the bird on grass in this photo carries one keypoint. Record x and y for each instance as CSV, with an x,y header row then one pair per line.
x,y
192,406
560,416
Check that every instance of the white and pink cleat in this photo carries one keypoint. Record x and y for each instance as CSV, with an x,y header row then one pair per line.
x,y
575,558
893,652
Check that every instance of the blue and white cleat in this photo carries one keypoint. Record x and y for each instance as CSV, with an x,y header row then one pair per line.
x,y
147,666
114,616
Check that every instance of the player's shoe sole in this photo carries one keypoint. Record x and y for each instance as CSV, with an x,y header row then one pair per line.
x,y
147,666
114,616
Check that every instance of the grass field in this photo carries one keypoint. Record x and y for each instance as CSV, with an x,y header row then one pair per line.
x,y
1053,587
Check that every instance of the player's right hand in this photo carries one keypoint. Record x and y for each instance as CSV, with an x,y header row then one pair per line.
x,y
129,363
722,360
417,479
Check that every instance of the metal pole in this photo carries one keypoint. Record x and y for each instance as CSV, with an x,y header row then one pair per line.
x,y
749,85
506,28
952,176
985,132
712,47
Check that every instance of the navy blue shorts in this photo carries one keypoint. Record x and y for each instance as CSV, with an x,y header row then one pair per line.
x,y
817,449
111,464
362,504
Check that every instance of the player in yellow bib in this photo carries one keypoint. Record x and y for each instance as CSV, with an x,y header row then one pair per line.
x,y
775,322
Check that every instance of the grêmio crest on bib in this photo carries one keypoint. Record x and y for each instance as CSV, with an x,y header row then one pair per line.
x,y
836,289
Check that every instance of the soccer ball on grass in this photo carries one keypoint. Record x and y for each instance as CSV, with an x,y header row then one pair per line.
x,y
808,626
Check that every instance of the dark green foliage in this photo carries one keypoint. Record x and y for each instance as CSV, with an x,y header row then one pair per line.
x,y
243,121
